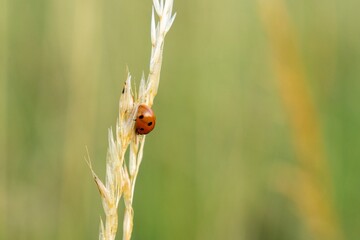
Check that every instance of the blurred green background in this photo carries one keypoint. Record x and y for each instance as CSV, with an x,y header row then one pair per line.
x,y
226,134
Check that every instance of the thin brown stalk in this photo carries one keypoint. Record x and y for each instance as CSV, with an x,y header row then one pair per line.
x,y
309,187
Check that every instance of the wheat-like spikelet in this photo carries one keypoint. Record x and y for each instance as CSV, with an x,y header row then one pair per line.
x,y
120,178
308,184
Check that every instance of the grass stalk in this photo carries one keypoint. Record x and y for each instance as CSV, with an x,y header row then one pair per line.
x,y
310,185
3,116
121,178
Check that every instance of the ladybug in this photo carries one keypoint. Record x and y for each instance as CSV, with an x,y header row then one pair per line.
x,y
145,120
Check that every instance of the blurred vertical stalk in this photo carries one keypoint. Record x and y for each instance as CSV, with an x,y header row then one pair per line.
x,y
75,28
310,188
3,115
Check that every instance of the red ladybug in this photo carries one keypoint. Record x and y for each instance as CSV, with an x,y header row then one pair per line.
x,y
145,120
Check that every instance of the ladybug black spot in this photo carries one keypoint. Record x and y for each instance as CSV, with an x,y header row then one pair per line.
x,y
142,129
141,116
149,124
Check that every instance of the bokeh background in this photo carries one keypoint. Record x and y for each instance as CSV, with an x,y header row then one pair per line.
x,y
258,122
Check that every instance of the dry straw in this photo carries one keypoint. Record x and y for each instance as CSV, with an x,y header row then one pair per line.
x,y
120,177
308,183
